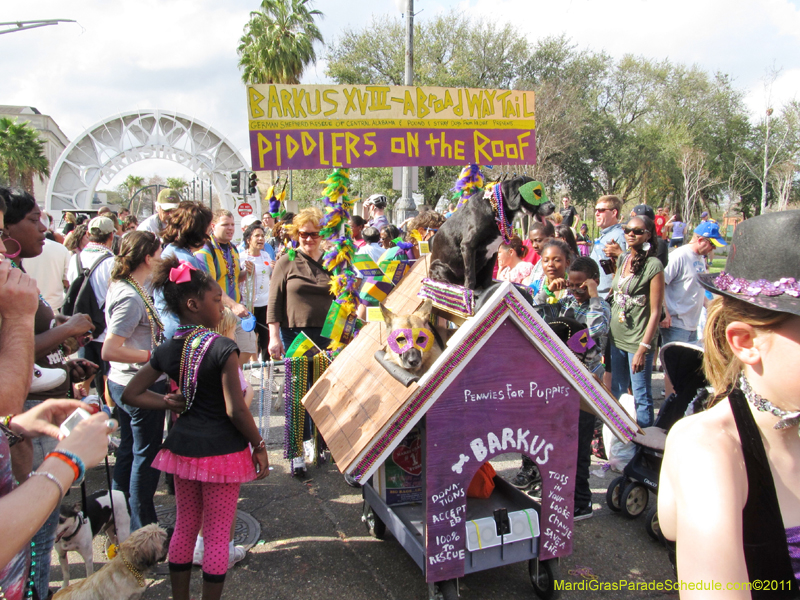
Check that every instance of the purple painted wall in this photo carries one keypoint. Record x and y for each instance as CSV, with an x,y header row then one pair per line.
x,y
508,399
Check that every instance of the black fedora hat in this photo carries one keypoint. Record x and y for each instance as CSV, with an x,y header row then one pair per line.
x,y
763,265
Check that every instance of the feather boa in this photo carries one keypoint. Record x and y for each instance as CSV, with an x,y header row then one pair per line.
x,y
335,227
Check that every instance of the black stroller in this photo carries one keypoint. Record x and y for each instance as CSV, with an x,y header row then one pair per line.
x,y
629,493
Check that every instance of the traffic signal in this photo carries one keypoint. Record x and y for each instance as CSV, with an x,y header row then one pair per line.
x,y
253,182
235,180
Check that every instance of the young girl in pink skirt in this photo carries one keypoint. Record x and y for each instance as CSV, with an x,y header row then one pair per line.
x,y
214,445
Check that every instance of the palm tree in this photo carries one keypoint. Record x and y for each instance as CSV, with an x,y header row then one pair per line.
x,y
132,183
177,183
22,154
278,42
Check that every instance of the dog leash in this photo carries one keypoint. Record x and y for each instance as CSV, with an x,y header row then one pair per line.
x,y
110,497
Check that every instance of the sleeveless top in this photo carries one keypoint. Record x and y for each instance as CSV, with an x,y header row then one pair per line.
x,y
766,550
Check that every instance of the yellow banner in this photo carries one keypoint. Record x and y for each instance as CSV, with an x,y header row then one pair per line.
x,y
274,106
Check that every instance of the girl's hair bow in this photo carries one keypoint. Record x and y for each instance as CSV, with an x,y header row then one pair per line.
x,y
182,273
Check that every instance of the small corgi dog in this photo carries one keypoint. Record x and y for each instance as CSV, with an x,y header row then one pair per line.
x,y
413,343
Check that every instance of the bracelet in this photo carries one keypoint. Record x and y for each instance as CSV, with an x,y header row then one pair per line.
x,y
7,419
73,460
262,445
648,346
52,478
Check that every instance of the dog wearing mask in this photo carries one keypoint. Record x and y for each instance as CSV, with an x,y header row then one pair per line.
x,y
464,250
413,343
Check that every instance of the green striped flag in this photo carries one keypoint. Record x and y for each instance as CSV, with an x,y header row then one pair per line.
x,y
302,346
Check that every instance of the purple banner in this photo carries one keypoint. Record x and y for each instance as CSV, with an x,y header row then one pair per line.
x,y
522,405
348,148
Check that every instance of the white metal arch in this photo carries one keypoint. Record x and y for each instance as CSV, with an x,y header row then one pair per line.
x,y
109,146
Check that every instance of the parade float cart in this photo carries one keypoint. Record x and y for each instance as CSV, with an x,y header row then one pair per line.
x,y
503,384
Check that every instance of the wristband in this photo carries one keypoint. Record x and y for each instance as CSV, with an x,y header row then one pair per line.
x,y
7,419
648,346
73,460
52,478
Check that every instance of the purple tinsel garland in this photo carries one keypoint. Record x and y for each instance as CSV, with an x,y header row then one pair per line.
x,y
761,287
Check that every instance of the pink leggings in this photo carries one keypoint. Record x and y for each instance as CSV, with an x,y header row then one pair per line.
x,y
213,505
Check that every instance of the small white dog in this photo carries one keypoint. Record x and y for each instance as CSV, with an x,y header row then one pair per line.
x,y
124,577
75,530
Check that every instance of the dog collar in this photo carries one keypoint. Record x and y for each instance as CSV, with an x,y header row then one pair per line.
x,y
402,340
133,570
81,520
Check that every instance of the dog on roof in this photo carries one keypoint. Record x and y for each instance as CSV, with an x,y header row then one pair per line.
x,y
464,250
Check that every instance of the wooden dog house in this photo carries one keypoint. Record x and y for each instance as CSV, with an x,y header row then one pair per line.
x,y
503,384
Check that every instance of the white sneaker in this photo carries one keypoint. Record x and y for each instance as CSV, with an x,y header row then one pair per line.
x,y
299,466
47,379
309,448
199,551
236,555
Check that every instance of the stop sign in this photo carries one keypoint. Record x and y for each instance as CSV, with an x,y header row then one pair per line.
x,y
245,209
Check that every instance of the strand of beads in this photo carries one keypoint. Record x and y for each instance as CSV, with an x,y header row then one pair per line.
x,y
295,387
156,326
496,200
196,343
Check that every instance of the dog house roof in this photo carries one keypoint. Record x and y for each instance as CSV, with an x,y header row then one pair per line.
x,y
363,413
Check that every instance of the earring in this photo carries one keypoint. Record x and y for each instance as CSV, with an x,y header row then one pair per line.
x,y
646,246
12,254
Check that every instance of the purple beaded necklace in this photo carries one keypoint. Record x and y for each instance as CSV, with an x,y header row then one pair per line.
x,y
496,200
197,341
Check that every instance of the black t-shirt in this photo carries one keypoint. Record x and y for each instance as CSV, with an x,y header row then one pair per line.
x,y
569,215
205,429
44,320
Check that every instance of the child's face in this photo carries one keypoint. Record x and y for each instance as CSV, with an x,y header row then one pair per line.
x,y
554,263
576,281
209,307
538,238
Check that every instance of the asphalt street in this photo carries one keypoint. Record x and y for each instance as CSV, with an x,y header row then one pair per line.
x,y
312,544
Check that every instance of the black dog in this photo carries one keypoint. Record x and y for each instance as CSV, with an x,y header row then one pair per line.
x,y
464,249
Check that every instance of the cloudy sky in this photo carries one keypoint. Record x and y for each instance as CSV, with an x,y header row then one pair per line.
x,y
181,54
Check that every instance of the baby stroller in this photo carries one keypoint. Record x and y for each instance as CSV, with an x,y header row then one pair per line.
x,y
629,492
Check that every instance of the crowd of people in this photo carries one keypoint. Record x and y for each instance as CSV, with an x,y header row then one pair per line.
x,y
176,309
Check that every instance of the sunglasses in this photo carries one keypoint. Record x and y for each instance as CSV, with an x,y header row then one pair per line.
x,y
309,234
634,230
601,210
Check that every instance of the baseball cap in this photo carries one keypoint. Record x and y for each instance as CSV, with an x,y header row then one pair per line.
x,y
643,210
248,220
103,224
710,230
704,214
168,199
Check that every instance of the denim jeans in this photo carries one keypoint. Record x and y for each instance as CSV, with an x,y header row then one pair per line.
x,y
676,334
142,432
46,536
622,377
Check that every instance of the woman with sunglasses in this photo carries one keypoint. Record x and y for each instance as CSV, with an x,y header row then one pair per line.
x,y
637,292
299,296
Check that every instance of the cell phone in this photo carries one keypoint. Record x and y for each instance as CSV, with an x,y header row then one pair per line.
x,y
72,421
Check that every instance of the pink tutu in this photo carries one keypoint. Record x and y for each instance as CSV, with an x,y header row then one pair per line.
x,y
228,468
